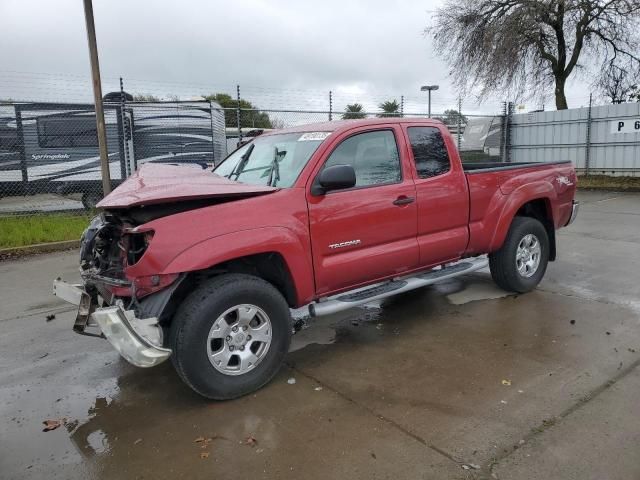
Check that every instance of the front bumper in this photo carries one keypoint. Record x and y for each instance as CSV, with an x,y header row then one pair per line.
x,y
130,336
574,212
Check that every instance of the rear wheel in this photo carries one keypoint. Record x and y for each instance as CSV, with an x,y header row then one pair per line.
x,y
522,260
230,336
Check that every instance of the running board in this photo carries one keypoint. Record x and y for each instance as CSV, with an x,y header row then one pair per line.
x,y
344,301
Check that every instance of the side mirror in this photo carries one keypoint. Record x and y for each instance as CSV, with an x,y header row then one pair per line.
x,y
335,177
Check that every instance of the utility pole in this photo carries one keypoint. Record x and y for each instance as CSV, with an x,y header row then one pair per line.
x,y
97,97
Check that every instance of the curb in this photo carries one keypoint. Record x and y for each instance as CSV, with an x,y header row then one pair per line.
x,y
16,252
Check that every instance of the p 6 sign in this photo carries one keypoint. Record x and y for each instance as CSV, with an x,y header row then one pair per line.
x,y
625,125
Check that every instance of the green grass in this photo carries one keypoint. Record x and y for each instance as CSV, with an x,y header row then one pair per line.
x,y
20,231
606,182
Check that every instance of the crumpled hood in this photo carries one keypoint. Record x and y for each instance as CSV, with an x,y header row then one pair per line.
x,y
157,183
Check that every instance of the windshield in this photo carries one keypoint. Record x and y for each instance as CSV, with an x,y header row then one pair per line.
x,y
274,160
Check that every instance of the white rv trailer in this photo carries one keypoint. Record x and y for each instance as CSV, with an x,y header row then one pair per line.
x,y
53,147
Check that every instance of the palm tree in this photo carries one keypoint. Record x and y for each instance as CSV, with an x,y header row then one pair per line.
x,y
353,111
390,108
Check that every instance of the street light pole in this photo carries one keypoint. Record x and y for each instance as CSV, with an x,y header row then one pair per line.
x,y
429,88
97,97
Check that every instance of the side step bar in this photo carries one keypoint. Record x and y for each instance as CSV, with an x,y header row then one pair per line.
x,y
344,301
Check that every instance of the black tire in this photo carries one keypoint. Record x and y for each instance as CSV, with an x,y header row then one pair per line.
x,y
502,263
194,319
90,200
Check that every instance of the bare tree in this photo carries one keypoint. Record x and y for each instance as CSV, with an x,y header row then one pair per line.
x,y
618,85
526,46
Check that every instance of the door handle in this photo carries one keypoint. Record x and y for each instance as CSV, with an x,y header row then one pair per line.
x,y
403,200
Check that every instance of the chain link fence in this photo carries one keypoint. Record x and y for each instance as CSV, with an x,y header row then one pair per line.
x,y
49,156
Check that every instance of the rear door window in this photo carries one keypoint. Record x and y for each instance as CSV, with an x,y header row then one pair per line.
x,y
429,151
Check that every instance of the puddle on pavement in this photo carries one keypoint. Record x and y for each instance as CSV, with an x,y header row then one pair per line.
x,y
325,330
340,326
106,401
477,291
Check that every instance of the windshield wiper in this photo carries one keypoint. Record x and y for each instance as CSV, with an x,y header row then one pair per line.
x,y
241,164
275,168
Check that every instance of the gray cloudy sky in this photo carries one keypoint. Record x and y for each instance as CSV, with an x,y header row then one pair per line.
x,y
282,53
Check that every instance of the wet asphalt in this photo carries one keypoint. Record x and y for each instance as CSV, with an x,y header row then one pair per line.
x,y
458,380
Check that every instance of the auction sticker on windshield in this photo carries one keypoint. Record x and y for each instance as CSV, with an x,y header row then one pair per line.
x,y
313,136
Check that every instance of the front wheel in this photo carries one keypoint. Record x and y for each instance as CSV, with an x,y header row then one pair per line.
x,y
230,336
522,260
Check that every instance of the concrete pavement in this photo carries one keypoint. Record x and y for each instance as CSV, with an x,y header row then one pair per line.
x,y
459,380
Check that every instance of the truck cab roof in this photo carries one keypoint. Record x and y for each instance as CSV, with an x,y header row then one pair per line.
x,y
339,126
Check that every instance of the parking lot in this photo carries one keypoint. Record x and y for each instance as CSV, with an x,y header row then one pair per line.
x,y
459,380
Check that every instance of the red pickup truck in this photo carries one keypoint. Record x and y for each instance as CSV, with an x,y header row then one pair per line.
x,y
204,267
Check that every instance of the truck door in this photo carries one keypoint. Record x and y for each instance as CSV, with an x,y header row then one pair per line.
x,y
369,231
442,195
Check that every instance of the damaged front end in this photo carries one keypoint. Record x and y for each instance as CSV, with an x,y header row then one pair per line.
x,y
111,305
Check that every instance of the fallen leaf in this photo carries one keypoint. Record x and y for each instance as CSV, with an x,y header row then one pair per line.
x,y
506,382
51,425
204,454
199,440
137,441
50,317
250,440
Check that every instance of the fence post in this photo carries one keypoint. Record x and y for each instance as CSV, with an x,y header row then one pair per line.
x,y
213,148
26,189
402,105
503,130
507,133
238,115
587,145
123,119
330,105
459,121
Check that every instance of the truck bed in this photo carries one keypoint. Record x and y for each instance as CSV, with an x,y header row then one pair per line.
x,y
496,186
479,167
